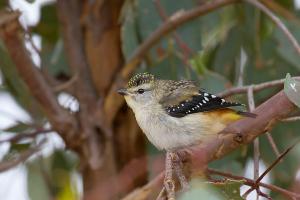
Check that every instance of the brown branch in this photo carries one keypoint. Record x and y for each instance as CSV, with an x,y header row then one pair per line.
x,y
278,22
276,162
273,144
256,87
10,32
241,132
251,182
69,17
21,136
186,51
114,101
257,180
291,119
256,152
256,140
22,157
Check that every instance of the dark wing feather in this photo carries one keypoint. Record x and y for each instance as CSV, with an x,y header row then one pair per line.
x,y
201,102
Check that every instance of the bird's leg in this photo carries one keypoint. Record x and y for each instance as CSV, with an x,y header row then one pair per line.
x,y
178,166
169,183
174,164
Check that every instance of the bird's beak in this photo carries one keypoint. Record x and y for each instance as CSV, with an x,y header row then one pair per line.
x,y
122,91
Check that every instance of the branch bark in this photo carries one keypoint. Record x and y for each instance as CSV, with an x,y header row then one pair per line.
x,y
234,135
22,157
94,150
10,32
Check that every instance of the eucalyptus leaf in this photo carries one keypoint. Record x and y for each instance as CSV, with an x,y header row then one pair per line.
x,y
292,89
19,127
222,190
230,189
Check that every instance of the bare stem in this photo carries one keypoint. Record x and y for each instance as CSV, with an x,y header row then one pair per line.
x,y
251,182
278,22
273,144
256,154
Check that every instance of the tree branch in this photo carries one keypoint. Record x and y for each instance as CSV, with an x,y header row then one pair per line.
x,y
69,17
251,182
278,22
21,136
10,32
6,165
256,87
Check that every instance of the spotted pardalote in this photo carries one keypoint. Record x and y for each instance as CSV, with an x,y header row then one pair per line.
x,y
176,114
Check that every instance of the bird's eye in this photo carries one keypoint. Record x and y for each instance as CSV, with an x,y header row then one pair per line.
x,y
141,91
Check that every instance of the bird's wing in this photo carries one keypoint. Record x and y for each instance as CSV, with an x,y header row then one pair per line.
x,y
193,100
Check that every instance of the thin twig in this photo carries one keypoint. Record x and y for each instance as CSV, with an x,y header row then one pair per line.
x,y
256,154
35,81
255,187
276,161
278,22
273,144
184,47
6,165
291,119
256,87
161,194
251,182
21,136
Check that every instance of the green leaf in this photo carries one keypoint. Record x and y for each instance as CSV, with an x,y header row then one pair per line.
x,y
30,1
20,127
292,89
48,25
36,183
228,189
201,190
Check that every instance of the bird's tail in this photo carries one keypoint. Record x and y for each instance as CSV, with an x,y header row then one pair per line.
x,y
246,114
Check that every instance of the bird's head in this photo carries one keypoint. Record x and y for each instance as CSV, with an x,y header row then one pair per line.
x,y
140,90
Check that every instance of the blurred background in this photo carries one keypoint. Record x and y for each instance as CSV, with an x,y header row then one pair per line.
x,y
64,132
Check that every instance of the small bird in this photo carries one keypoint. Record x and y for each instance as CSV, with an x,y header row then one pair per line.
x,y
177,114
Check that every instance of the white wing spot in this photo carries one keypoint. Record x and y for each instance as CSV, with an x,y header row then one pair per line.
x,y
205,94
182,104
206,98
200,104
213,96
203,101
173,109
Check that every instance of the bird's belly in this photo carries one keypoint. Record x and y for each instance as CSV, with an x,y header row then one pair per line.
x,y
171,133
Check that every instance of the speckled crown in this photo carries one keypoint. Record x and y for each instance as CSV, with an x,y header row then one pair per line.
x,y
140,79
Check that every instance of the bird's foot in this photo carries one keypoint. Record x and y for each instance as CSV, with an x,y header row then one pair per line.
x,y
174,164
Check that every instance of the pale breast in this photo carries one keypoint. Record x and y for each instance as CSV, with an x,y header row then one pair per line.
x,y
166,132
